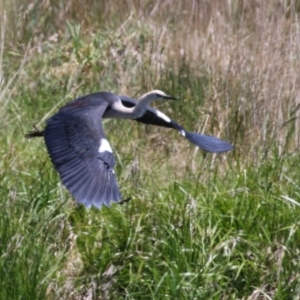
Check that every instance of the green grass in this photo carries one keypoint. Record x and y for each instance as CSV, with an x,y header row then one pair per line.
x,y
198,226
189,240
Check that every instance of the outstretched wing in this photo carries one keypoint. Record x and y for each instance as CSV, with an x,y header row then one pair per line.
x,y
155,117
81,154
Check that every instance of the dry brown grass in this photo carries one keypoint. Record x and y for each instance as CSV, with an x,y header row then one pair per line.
x,y
244,53
249,51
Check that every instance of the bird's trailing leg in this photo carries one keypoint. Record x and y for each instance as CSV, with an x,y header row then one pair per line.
x,y
35,133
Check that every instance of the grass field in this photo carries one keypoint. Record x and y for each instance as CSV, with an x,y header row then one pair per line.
x,y
199,226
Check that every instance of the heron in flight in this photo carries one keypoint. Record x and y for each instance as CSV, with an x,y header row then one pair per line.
x,y
82,155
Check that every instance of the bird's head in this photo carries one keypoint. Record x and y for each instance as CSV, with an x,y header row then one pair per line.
x,y
157,95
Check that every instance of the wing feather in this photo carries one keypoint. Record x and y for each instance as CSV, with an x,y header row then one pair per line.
x,y
73,137
155,117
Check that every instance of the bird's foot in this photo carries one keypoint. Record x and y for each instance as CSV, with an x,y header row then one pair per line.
x,y
124,201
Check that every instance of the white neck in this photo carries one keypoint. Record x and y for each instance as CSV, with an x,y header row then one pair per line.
x,y
136,111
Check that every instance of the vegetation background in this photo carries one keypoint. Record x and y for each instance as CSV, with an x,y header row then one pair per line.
x,y
199,226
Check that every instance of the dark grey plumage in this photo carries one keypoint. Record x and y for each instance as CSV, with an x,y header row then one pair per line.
x,y
80,152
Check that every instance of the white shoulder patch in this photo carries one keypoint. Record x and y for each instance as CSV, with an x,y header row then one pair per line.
x,y
182,132
163,116
104,146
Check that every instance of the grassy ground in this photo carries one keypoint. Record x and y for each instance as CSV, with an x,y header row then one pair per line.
x,y
199,226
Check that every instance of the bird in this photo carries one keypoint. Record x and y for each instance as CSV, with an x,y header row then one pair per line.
x,y
81,153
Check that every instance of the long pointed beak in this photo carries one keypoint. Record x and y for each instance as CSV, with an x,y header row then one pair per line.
x,y
170,97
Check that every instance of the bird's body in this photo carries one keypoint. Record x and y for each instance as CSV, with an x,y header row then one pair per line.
x,y
83,157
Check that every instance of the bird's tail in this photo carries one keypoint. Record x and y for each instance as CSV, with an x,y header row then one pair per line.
x,y
207,143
